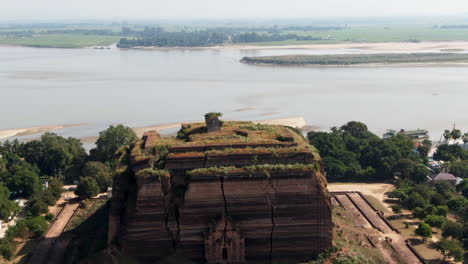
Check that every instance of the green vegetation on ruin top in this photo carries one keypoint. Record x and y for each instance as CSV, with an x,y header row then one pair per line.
x,y
234,132
350,59
263,168
153,173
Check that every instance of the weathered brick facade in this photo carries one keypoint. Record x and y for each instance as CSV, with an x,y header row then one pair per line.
x,y
246,203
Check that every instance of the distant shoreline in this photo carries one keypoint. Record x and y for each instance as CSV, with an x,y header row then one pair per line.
x,y
454,45
18,132
349,60
298,122
396,46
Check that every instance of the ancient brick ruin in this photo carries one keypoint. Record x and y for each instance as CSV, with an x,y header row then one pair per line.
x,y
246,193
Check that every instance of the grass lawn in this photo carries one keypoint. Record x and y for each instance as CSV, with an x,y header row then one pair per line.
x,y
61,40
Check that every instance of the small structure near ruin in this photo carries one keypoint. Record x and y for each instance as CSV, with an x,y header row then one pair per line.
x,y
221,192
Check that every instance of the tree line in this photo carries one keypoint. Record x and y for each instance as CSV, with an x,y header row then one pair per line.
x,y
157,36
37,171
352,153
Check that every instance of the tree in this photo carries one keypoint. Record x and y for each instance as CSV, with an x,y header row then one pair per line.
x,y
23,179
415,200
459,168
354,128
424,148
87,188
55,187
37,226
448,152
420,173
7,207
53,154
457,203
465,138
7,248
37,206
435,220
424,230
405,168
456,134
450,248
453,229
441,210
396,208
3,170
444,188
100,172
110,140
447,135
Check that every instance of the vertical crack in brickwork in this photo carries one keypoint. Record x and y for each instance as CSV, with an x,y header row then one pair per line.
x,y
272,216
165,190
221,179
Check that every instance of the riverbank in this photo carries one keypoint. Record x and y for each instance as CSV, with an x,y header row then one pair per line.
x,y
17,132
362,59
444,46
376,46
298,122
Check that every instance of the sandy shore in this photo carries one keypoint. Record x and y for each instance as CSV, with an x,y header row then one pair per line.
x,y
6,133
367,65
394,46
298,122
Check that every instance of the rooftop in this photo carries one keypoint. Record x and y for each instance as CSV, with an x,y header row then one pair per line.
x,y
443,177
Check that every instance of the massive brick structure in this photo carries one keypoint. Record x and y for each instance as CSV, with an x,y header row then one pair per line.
x,y
246,193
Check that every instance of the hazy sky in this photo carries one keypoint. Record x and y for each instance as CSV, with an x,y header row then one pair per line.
x,y
154,9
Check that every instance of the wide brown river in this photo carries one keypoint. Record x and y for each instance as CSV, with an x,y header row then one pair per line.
x,y
142,87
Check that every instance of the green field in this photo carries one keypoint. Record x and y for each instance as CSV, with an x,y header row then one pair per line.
x,y
374,33
350,59
60,40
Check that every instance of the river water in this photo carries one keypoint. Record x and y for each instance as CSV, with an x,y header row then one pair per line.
x,y
143,87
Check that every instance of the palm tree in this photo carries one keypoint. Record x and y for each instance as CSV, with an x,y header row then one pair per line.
x,y
465,138
456,134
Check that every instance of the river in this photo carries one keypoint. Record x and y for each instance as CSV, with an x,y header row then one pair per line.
x,y
40,86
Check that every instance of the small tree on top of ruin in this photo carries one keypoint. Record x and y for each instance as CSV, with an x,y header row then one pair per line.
x,y
212,121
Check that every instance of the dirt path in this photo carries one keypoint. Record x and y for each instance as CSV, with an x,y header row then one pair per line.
x,y
377,190
62,220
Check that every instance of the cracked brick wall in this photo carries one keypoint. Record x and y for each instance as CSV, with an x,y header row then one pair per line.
x,y
281,216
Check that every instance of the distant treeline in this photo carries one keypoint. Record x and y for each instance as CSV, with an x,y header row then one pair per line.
x,y
451,26
99,32
312,28
159,37
27,33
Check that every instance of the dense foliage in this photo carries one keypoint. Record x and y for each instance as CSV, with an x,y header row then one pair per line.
x,y
208,37
36,171
110,140
352,152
